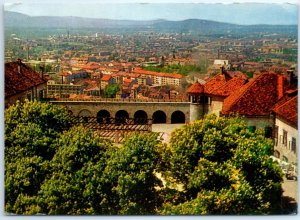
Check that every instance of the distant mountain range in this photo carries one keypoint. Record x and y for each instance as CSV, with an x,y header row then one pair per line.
x,y
18,20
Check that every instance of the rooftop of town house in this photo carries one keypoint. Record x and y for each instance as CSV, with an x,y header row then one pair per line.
x,y
106,78
19,78
287,107
257,97
229,87
216,82
195,89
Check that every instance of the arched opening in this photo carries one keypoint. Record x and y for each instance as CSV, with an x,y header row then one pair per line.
x,y
277,154
140,117
85,114
121,117
103,117
177,117
159,117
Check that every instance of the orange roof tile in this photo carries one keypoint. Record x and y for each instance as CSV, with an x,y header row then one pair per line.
x,y
287,107
20,81
196,89
256,98
106,78
214,83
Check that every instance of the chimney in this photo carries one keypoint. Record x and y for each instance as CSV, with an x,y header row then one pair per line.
x,y
19,65
279,86
223,70
293,79
43,69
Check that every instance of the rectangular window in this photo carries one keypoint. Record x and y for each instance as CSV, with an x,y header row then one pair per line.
x,y
252,128
294,145
280,139
268,132
276,135
276,132
284,138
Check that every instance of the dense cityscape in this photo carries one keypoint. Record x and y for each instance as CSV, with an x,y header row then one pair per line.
x,y
150,118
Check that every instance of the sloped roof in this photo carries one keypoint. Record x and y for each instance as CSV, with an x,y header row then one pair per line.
x,y
19,81
214,83
256,98
229,87
196,89
106,78
223,84
287,107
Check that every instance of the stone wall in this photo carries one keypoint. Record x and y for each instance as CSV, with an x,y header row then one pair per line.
x,y
93,107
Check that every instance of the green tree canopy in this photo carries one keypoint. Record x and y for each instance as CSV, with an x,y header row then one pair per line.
x,y
223,168
212,166
131,172
30,131
111,90
75,184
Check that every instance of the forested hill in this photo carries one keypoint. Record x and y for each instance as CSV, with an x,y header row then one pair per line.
x,y
18,20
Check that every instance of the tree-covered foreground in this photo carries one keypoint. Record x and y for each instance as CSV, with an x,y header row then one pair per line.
x,y
212,166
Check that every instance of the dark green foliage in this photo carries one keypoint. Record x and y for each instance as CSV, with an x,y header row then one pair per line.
x,y
78,162
111,90
48,117
212,166
130,170
224,169
30,130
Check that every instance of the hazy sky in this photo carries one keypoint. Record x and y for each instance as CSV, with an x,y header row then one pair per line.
x,y
233,13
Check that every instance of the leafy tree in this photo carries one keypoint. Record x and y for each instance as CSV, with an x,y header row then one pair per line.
x,y
111,90
30,130
50,118
131,172
223,169
75,186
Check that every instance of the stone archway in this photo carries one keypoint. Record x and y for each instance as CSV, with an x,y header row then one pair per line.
x,y
121,117
85,114
140,117
159,117
177,117
103,116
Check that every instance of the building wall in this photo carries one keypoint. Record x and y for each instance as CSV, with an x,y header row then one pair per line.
x,y
216,105
286,150
259,122
30,94
63,89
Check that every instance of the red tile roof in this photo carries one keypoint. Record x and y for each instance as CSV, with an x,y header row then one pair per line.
x,y
214,83
224,84
17,82
195,89
106,78
287,107
256,98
